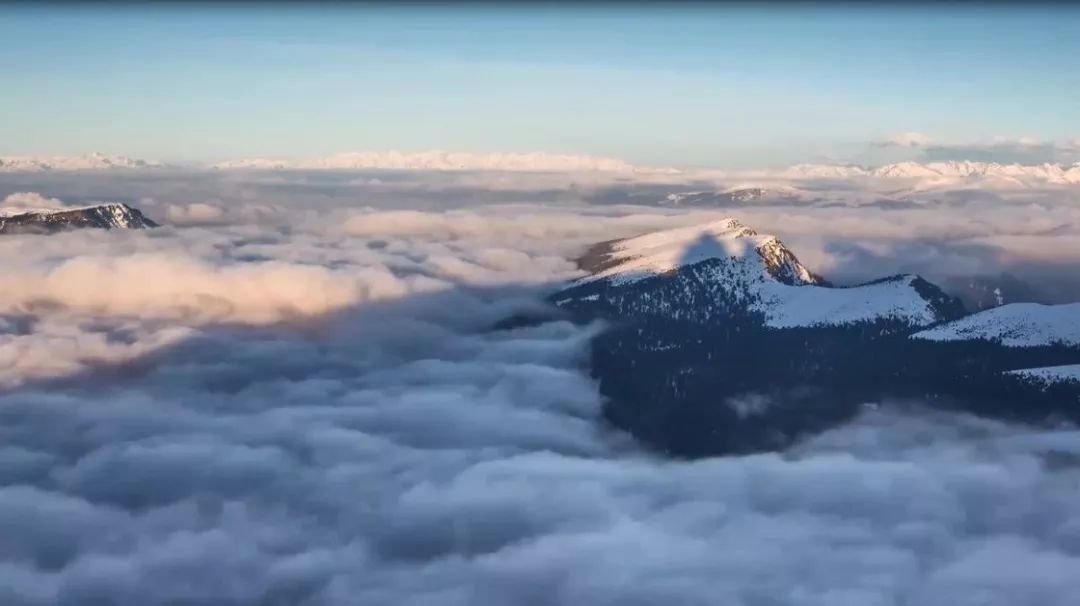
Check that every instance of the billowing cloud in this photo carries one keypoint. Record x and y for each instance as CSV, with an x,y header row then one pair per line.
x,y
195,213
314,410
906,139
1004,150
29,201
1024,150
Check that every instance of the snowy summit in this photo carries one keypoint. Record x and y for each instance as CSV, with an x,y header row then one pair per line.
x,y
710,271
51,220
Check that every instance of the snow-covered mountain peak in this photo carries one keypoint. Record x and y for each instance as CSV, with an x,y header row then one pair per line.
x,y
782,263
121,216
706,273
112,215
677,239
661,252
729,227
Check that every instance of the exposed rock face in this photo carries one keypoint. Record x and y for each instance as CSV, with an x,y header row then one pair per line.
x,y
44,221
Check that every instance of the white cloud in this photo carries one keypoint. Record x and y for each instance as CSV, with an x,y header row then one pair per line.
x,y
1007,150
58,346
30,200
906,139
174,285
194,214
1022,150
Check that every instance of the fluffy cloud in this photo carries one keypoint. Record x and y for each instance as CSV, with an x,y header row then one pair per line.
x,y
1024,150
315,411
33,347
243,471
195,213
30,200
163,285
906,139
1004,150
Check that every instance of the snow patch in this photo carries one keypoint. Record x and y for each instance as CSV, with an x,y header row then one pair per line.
x,y
794,306
1050,374
1014,325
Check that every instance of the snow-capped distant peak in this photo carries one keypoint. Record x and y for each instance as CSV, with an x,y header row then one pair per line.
x,y
446,161
94,161
953,169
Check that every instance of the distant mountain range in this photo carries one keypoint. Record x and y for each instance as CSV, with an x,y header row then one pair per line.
x,y
721,341
95,161
1050,173
734,197
441,160
1005,174
52,220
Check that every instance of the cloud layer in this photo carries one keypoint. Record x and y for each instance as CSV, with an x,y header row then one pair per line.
x,y
300,401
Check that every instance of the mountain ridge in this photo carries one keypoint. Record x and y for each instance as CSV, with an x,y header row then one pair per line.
x,y
726,267
112,215
1014,325
690,342
93,161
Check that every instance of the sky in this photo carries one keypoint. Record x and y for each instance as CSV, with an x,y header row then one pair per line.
x,y
691,85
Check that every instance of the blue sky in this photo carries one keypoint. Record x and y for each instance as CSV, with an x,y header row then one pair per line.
x,y
694,85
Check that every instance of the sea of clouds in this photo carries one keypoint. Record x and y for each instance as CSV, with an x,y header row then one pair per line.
x,y
291,394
